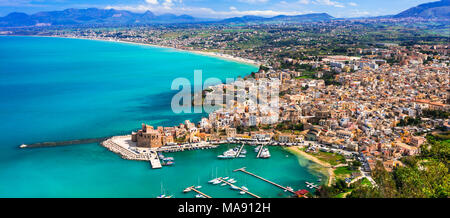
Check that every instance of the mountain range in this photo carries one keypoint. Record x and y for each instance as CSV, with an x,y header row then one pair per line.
x,y
439,9
95,16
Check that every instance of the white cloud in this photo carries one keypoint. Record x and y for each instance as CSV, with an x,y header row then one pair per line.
x,y
329,3
153,2
352,4
201,11
303,2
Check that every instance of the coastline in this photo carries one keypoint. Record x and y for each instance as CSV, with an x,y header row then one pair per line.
x,y
210,54
324,165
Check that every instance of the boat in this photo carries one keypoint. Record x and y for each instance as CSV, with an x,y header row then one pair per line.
x,y
245,188
265,153
217,182
232,181
228,154
223,184
168,159
161,196
168,163
226,178
244,151
212,180
199,196
257,148
242,156
198,187
234,187
242,192
187,190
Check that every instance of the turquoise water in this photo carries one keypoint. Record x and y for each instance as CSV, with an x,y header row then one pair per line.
x,y
55,89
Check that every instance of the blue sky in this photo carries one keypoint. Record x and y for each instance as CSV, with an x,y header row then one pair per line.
x,y
222,8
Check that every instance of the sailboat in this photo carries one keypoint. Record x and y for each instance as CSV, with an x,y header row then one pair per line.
x,y
163,194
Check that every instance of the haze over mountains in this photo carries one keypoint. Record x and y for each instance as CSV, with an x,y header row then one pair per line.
x,y
92,16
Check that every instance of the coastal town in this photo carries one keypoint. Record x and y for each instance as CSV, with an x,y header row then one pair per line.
x,y
366,100
371,112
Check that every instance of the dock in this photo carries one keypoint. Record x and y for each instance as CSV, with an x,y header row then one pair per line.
x,y
261,178
240,150
192,188
154,161
223,180
260,151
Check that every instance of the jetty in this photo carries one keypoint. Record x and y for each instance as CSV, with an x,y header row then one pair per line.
x,y
192,188
239,151
265,180
223,180
260,151
154,161
64,143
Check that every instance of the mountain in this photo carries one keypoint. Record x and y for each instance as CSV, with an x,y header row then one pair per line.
x,y
439,9
91,16
280,19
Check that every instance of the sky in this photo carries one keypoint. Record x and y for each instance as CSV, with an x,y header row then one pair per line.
x,y
223,8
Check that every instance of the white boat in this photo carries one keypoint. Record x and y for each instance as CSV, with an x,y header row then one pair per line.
x,y
199,196
161,196
226,178
244,151
242,192
257,148
242,156
187,190
223,184
198,187
265,153
245,188
234,187
212,180
217,182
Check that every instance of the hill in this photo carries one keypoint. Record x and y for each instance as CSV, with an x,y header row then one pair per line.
x,y
439,10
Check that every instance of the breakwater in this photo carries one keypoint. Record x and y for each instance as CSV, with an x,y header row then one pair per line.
x,y
64,143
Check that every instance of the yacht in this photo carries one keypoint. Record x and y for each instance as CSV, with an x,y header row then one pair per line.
x,y
217,182
161,196
242,192
257,148
212,180
199,196
242,156
234,187
245,188
228,154
187,190
244,151
198,187
265,153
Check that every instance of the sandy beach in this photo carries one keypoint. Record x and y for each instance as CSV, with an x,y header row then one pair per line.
x,y
297,151
211,54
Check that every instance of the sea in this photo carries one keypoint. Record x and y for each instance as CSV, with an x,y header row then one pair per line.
x,y
56,89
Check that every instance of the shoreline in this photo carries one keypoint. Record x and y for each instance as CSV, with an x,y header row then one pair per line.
x,y
324,165
198,52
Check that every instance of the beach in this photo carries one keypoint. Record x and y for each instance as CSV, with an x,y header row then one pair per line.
x,y
296,150
211,54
